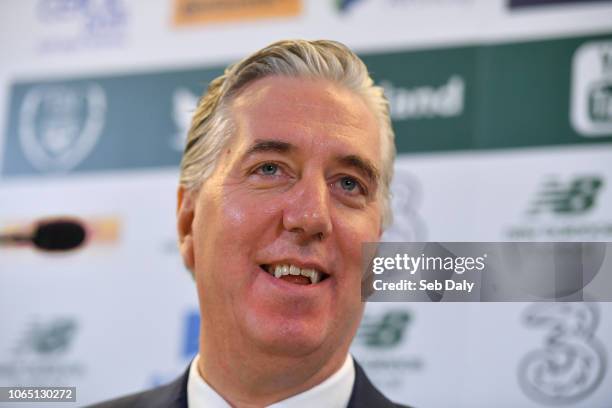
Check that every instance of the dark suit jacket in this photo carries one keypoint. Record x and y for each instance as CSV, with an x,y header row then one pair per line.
x,y
174,395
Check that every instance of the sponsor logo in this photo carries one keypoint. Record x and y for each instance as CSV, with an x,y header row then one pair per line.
x,y
184,103
379,344
189,346
66,126
43,354
190,12
571,363
385,331
103,230
426,102
72,25
52,338
344,5
59,125
529,3
191,333
564,209
575,196
591,100
408,225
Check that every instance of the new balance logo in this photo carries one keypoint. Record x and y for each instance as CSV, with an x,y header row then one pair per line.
x,y
383,331
49,338
576,196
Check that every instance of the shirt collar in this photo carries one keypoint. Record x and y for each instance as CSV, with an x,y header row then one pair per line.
x,y
334,392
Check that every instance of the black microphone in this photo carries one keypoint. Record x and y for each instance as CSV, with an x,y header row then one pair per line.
x,y
50,235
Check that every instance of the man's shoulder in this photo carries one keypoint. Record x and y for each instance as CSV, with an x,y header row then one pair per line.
x,y
172,395
365,394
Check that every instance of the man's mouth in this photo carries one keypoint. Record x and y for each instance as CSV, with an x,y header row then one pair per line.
x,y
295,274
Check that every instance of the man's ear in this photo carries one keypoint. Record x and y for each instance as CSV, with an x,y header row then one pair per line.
x,y
184,223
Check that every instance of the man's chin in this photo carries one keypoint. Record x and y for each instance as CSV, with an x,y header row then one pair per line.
x,y
282,349
288,338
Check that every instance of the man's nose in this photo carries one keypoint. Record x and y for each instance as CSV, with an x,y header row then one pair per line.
x,y
307,210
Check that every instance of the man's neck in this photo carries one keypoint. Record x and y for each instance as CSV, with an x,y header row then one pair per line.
x,y
257,380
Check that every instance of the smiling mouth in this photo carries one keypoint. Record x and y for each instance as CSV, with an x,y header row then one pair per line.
x,y
295,274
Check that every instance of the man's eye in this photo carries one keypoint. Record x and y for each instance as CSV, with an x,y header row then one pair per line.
x,y
350,185
268,169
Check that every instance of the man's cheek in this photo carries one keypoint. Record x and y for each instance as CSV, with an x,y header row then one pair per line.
x,y
239,204
246,211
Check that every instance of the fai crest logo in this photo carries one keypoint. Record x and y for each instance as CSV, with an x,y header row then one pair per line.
x,y
591,103
59,125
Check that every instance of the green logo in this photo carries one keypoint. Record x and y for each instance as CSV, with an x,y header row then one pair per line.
x,y
591,100
574,197
345,5
600,102
54,337
384,331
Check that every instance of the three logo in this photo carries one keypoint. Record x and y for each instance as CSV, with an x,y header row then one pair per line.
x,y
572,361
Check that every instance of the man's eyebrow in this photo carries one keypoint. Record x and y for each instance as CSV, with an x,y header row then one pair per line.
x,y
277,146
362,165
359,163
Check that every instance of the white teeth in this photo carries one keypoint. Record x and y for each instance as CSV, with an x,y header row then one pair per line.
x,y
281,270
315,277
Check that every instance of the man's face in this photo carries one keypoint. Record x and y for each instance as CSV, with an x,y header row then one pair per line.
x,y
296,186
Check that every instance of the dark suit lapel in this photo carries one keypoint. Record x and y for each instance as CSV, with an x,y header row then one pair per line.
x,y
173,395
364,394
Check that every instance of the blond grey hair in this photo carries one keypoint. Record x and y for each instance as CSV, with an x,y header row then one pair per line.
x,y
212,126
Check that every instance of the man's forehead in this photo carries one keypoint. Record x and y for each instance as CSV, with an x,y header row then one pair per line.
x,y
289,97
305,111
